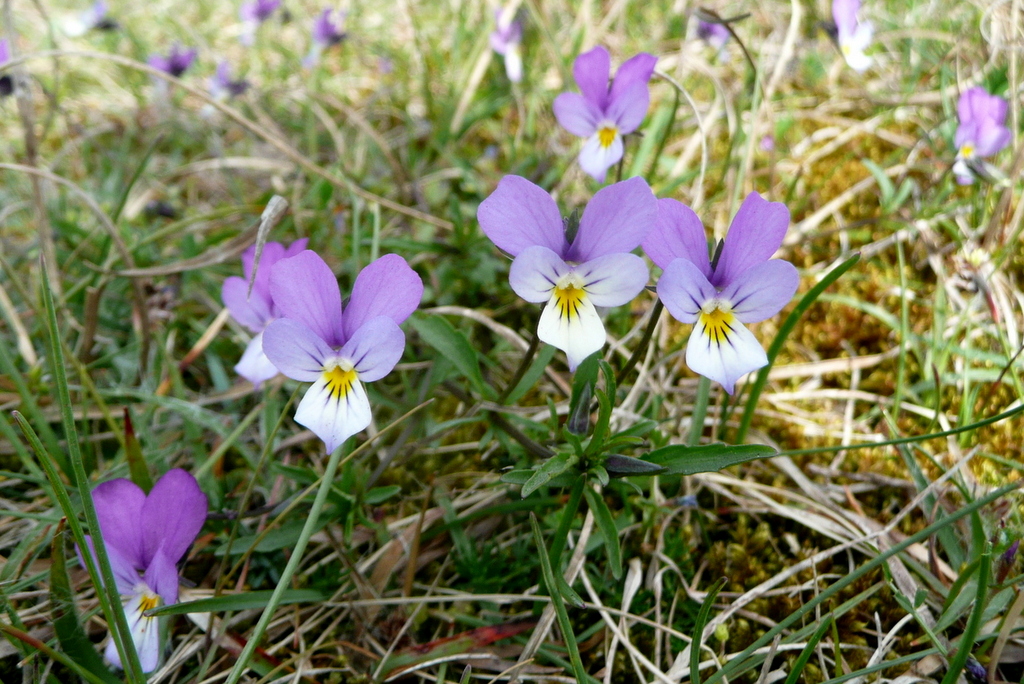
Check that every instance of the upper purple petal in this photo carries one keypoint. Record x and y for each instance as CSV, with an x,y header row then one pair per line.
x,y
636,69
629,107
5,51
375,348
252,312
756,233
591,71
386,287
991,139
677,234
762,291
844,12
172,516
119,508
121,567
577,114
519,214
617,219
295,350
304,289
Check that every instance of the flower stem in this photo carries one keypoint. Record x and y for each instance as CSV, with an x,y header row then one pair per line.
x,y
524,365
644,341
700,409
562,533
293,563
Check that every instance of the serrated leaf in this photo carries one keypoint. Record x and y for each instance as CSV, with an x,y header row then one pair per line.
x,y
454,346
554,466
606,523
249,600
686,460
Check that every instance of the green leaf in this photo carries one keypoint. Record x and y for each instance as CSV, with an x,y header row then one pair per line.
x,y
698,629
627,465
532,374
583,382
885,184
554,466
808,650
568,593
606,523
73,640
521,477
454,346
379,495
679,459
133,450
249,600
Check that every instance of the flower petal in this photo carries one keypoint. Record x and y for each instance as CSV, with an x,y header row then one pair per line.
x,y
375,348
123,569
762,291
629,108
295,349
591,70
519,214
535,272
595,159
577,114
514,63
304,289
145,632
252,312
254,365
856,59
616,220
991,139
844,13
119,506
334,416
172,516
162,576
683,289
677,234
613,279
636,69
754,236
724,361
576,329
386,287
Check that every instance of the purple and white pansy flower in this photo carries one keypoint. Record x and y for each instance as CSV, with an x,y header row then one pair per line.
x,y
147,534
982,131
715,34
602,112
853,36
572,274
744,284
328,30
177,61
253,14
256,311
505,40
338,351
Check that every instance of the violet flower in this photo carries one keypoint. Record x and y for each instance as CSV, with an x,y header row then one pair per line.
x,y
328,30
148,534
257,311
6,80
572,273
222,86
744,285
981,132
505,40
853,36
253,14
603,114
94,18
176,62
714,34
338,351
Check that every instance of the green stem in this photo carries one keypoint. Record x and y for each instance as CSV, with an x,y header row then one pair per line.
x,y
293,563
644,341
524,365
700,410
568,515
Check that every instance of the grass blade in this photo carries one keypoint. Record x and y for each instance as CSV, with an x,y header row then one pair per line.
x,y
698,629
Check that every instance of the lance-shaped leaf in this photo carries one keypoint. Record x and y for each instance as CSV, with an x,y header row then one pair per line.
x,y
554,466
686,460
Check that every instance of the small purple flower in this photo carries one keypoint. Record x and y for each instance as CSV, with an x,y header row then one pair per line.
x,y
328,30
6,80
222,86
981,132
768,143
176,62
745,285
257,311
714,34
253,14
315,342
147,534
93,18
505,40
601,114
572,273
853,36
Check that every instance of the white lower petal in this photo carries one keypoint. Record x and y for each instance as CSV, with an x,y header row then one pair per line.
x,y
596,157
335,407
721,349
570,323
514,63
145,631
856,58
254,365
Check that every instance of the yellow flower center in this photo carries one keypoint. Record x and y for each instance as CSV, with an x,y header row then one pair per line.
x,y
967,150
716,319
340,378
569,295
148,602
606,135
